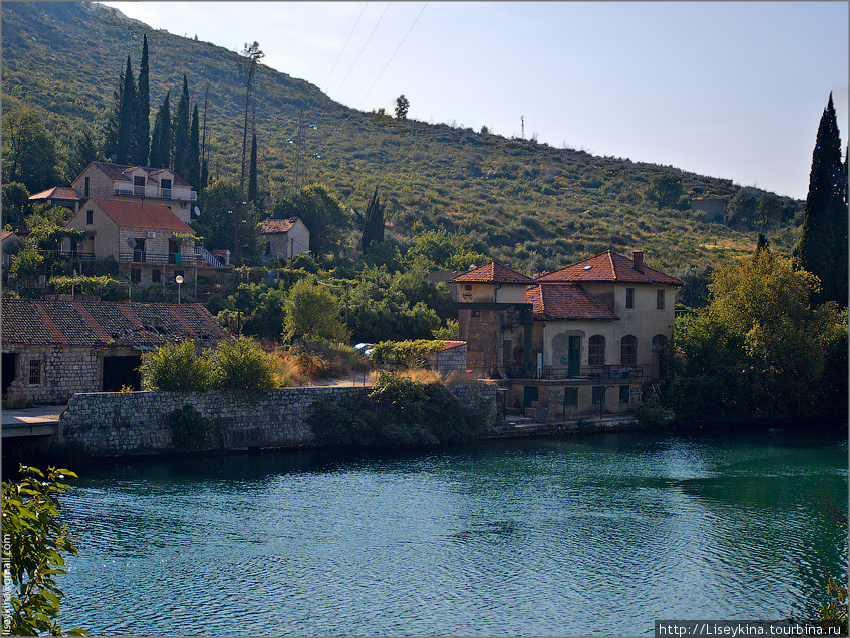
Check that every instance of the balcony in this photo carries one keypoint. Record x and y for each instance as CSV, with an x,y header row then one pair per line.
x,y
584,373
159,259
155,192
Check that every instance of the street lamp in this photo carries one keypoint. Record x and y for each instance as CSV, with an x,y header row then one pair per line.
x,y
179,280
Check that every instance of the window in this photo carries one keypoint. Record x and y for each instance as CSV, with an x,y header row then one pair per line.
x,y
598,394
596,351
139,185
467,287
166,187
661,300
136,275
630,297
89,216
628,350
35,372
156,276
624,394
86,182
570,397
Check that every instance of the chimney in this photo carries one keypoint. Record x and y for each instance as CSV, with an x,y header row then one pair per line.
x,y
637,258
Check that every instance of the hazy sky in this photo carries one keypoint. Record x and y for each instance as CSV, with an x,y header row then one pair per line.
x,y
728,89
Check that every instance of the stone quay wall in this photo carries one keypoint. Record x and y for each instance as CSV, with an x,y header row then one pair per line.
x,y
107,424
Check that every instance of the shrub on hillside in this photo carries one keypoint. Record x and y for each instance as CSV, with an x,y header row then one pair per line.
x,y
242,365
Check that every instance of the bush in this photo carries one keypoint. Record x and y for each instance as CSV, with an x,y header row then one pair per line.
x,y
408,354
175,368
189,430
398,413
242,365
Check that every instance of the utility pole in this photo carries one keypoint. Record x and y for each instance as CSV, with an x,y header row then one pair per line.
x,y
522,120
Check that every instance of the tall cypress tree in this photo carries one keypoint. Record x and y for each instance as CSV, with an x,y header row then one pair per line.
x,y
143,110
160,156
127,123
110,130
252,173
181,134
373,223
823,245
194,156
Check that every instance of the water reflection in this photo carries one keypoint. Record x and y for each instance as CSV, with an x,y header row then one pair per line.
x,y
551,537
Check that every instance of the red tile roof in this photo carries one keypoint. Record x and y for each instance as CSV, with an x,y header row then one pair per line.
x,y
609,266
96,323
554,302
62,193
448,345
133,215
278,225
492,273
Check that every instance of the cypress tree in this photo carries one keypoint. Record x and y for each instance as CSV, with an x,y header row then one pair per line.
x,y
143,110
823,245
181,134
373,225
161,142
127,123
252,173
194,155
110,131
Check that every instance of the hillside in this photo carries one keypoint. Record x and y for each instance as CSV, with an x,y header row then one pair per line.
x,y
529,205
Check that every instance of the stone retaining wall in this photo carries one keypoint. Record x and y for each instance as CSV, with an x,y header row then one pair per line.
x,y
132,423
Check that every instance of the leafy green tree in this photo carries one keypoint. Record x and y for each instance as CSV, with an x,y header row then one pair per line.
x,y
176,367
27,264
218,203
759,350
440,249
402,106
160,155
321,213
311,311
743,207
242,365
36,540
768,211
84,151
16,206
664,190
823,245
142,127
30,152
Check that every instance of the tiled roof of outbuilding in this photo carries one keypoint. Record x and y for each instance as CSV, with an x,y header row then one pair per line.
x,y
492,273
609,266
278,225
94,323
62,193
563,302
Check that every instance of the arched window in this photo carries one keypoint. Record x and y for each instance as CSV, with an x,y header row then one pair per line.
x,y
628,350
658,343
596,351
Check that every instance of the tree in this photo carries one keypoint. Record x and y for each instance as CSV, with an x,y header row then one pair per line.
x,y
252,173
30,152
242,365
36,540
402,105
160,156
664,190
143,111
373,223
823,245
218,201
743,207
84,151
125,149
759,350
194,161
247,65
321,213
311,311
180,131
16,206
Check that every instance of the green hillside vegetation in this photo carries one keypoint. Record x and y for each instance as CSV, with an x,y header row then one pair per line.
x,y
526,204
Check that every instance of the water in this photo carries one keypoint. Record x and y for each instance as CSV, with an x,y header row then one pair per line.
x,y
596,535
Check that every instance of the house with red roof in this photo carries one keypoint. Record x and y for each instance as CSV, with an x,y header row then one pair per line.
x,y
142,237
284,237
53,349
589,337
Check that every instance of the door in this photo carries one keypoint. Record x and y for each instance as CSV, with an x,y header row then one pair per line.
x,y
574,355
119,372
529,394
10,365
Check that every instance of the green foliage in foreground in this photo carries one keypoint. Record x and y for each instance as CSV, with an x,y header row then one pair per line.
x,y
189,430
407,354
240,365
36,541
398,413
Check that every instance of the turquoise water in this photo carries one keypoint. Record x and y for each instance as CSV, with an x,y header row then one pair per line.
x,y
597,535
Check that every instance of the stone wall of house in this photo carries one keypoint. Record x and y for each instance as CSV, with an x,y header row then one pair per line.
x,y
451,360
132,423
59,371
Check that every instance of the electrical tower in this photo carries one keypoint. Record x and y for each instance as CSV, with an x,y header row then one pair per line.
x,y
299,176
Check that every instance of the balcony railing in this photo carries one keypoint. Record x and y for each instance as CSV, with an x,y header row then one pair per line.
x,y
155,192
71,254
146,257
516,371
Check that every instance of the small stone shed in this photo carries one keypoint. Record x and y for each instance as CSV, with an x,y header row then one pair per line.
x,y
55,348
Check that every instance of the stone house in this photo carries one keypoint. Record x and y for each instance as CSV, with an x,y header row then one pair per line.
x,y
597,325
137,184
714,208
284,237
140,236
53,349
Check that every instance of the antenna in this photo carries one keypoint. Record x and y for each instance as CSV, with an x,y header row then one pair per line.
x,y
299,177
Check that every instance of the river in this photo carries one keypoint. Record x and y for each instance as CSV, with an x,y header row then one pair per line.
x,y
597,534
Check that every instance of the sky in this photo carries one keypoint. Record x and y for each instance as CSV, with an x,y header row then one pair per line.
x,y
728,89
